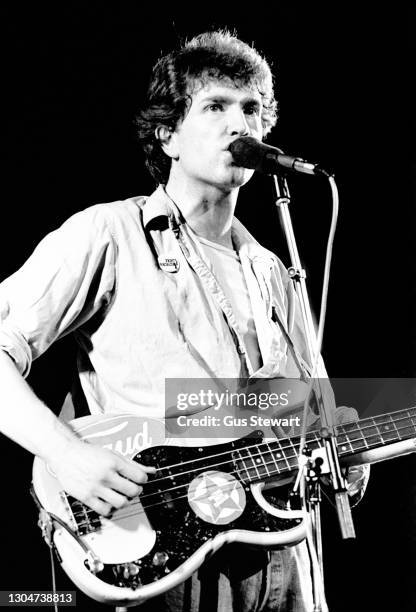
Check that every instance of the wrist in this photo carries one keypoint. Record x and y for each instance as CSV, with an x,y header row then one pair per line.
x,y
57,442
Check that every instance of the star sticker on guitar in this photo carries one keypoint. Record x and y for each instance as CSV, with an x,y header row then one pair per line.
x,y
217,497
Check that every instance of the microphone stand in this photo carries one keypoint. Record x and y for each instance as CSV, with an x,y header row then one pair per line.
x,y
298,276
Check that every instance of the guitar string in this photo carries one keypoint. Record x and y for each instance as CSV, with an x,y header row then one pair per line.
x,y
171,501
311,437
251,456
121,516
139,499
255,469
275,445
136,513
312,433
237,471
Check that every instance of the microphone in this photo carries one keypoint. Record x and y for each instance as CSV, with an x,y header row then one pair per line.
x,y
251,153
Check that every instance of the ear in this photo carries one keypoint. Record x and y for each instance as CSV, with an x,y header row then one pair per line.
x,y
167,139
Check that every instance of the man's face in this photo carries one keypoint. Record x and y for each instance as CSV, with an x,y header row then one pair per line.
x,y
219,113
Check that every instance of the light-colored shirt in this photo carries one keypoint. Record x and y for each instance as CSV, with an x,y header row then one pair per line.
x,y
129,279
225,265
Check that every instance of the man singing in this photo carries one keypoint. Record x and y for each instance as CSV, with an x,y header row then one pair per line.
x,y
166,286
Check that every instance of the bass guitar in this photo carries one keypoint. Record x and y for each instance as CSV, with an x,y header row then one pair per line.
x,y
200,498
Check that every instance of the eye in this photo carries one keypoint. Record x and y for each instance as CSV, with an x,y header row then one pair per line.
x,y
215,107
252,109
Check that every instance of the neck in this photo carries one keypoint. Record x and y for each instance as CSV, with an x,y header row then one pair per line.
x,y
392,433
207,209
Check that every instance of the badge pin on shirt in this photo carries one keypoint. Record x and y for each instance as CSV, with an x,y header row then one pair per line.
x,y
168,264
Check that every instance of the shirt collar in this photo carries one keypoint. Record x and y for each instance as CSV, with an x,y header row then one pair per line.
x,y
247,245
159,205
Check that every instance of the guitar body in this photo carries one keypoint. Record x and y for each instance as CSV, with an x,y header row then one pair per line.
x,y
201,498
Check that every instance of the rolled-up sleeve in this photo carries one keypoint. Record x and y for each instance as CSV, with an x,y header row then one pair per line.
x,y
67,279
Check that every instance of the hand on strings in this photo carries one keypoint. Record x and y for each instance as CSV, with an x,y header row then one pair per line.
x,y
98,477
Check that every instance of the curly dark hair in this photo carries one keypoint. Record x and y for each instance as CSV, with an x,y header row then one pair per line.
x,y
217,56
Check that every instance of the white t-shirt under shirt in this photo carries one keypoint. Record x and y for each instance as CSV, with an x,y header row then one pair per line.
x,y
226,266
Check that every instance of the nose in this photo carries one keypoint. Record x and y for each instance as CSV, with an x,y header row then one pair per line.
x,y
238,125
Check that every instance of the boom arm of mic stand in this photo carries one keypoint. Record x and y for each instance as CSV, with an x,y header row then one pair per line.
x,y
298,276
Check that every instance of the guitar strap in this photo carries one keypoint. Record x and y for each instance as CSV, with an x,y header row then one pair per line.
x,y
75,404
316,399
304,369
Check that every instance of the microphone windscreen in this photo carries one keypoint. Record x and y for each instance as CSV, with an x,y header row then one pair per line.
x,y
249,152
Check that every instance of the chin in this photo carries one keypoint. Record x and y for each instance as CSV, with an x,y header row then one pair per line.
x,y
242,179
239,178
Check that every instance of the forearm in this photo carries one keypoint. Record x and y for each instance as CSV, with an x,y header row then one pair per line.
x,y
96,476
25,418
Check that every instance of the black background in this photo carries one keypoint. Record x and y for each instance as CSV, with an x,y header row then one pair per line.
x,y
73,78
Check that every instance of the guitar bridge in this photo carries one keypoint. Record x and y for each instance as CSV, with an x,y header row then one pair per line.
x,y
83,519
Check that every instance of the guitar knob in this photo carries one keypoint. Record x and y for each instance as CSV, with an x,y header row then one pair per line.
x,y
160,559
130,570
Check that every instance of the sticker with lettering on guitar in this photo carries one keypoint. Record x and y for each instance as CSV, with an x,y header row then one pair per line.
x,y
217,497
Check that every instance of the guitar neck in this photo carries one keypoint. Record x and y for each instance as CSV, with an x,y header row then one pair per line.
x,y
266,460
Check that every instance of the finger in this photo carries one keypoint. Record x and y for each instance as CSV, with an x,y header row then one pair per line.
x,y
99,506
112,497
345,414
134,471
357,475
124,486
149,469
